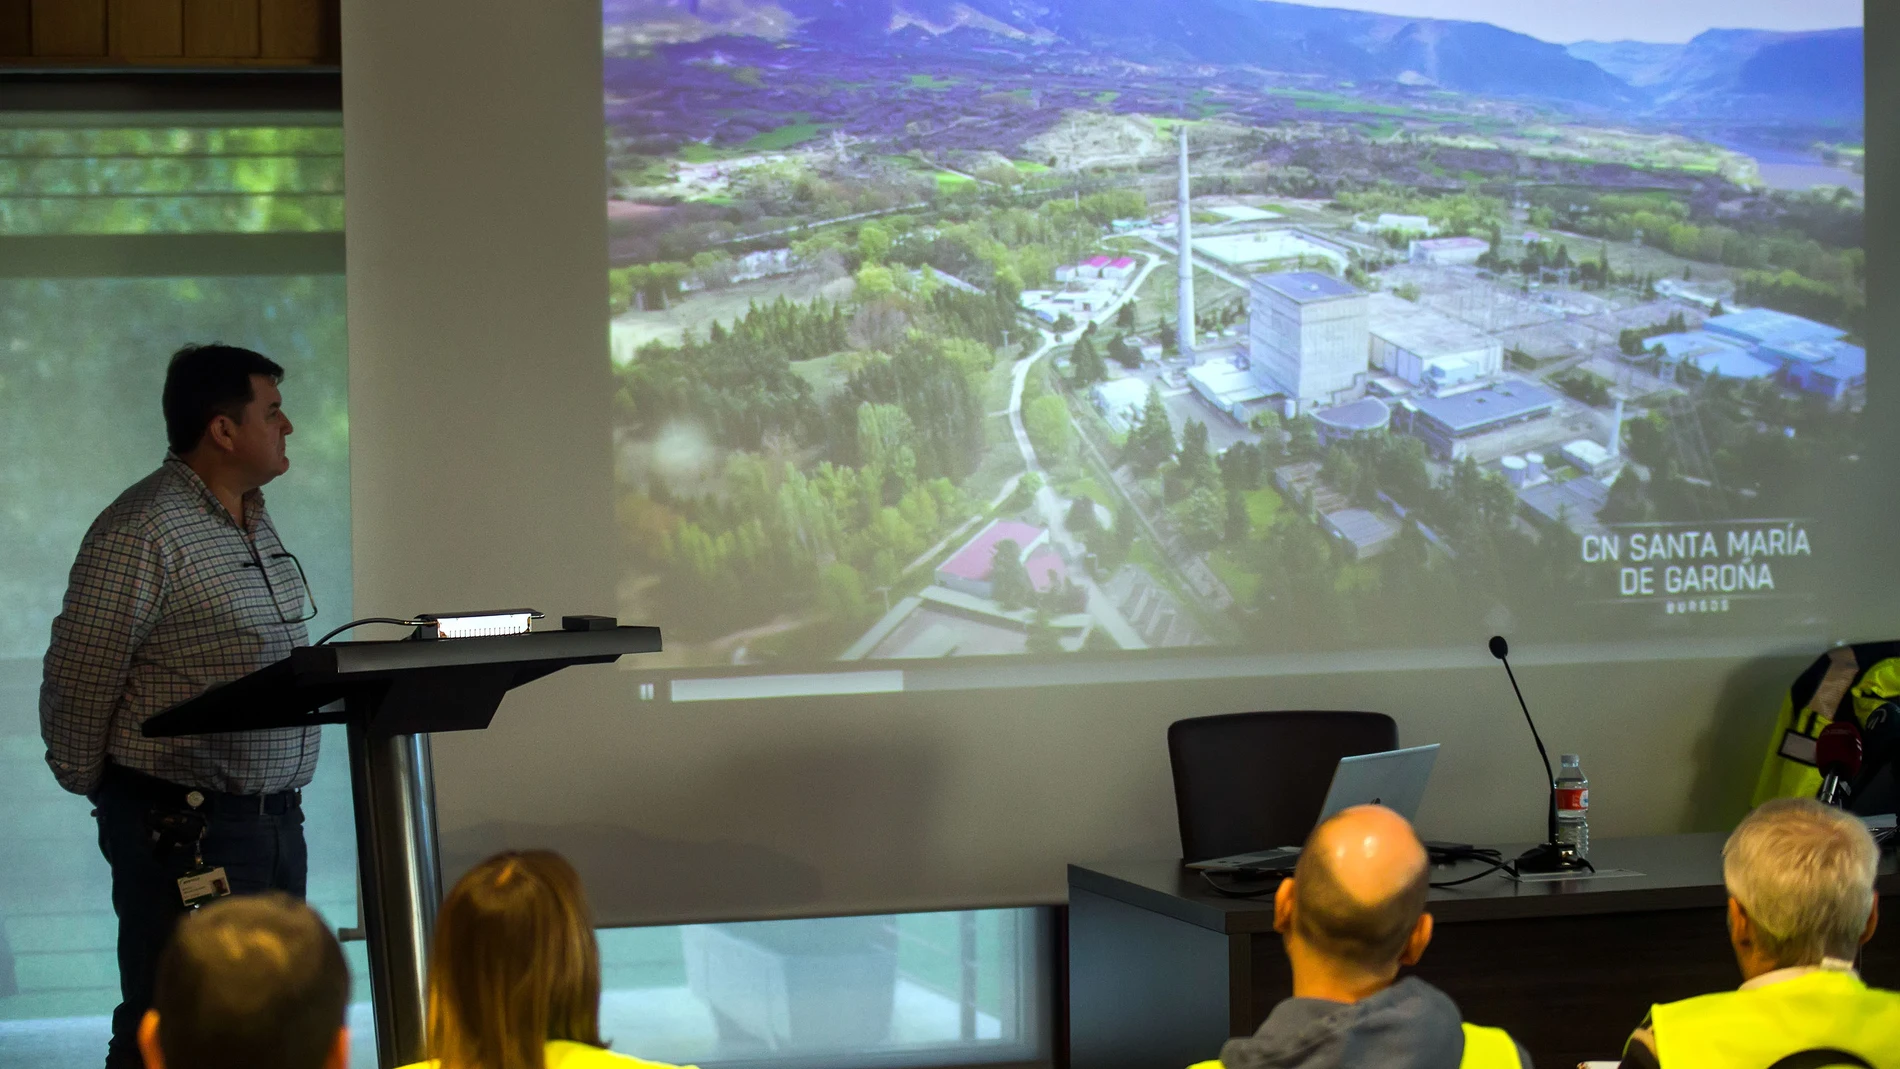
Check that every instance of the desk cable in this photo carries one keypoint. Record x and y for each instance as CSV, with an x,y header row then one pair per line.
x,y
1452,853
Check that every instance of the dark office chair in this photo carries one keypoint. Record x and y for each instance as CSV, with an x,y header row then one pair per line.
x,y
1252,781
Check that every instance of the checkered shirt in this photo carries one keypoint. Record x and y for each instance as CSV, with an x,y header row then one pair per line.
x,y
168,597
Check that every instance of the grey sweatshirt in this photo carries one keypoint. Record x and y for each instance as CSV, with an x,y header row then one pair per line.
x,y
1410,1025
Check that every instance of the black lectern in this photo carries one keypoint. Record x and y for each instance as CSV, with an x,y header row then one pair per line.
x,y
391,694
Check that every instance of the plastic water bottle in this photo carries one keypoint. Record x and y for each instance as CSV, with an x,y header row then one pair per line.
x,y
1573,805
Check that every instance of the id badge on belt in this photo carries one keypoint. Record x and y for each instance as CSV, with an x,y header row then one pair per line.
x,y
201,883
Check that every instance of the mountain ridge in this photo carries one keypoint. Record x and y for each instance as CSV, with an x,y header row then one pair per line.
x,y
1720,73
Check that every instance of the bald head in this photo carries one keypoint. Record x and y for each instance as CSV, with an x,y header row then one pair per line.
x,y
1360,887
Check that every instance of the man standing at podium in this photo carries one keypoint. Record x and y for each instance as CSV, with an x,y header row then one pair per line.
x,y
182,584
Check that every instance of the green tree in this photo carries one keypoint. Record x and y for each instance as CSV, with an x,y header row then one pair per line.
x,y
1202,519
874,281
1302,438
1198,469
1151,440
874,243
841,592
1125,315
1009,579
887,445
1064,323
1242,467
1023,497
1299,605
1086,366
1628,501
1239,523
1082,519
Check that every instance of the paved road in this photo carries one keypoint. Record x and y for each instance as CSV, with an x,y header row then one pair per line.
x,y
1052,507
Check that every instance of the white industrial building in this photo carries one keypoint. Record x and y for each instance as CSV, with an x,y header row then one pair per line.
x,y
1307,336
1120,401
1268,247
1387,222
1233,386
1590,457
1428,349
1448,250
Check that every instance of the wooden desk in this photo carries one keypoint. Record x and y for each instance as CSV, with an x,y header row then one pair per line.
x,y
1162,969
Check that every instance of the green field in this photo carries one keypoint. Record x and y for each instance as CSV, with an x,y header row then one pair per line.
x,y
1263,507
1240,581
930,81
784,137
775,140
1310,100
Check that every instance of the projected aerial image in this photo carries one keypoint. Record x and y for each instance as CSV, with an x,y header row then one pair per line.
x,y
979,328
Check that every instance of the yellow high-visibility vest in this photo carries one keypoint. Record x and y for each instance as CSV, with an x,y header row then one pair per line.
x,y
1488,1048
1858,678
1485,1048
562,1054
1823,1010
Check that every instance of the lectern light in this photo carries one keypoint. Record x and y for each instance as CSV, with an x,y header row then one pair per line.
x,y
480,624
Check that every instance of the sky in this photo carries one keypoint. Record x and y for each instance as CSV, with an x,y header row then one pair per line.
x,y
1565,21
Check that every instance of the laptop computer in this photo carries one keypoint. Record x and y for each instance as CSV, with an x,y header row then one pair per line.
x,y
1394,779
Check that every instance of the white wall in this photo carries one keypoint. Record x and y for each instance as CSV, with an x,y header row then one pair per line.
x,y
479,401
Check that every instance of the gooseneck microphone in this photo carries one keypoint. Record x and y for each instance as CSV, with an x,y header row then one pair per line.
x,y
1549,856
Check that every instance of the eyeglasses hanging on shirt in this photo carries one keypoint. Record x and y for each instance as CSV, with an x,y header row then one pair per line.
x,y
306,597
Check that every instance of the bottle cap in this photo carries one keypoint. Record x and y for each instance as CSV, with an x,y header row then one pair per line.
x,y
1570,759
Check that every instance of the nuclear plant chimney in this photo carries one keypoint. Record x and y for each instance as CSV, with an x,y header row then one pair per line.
x,y
1184,237
1616,430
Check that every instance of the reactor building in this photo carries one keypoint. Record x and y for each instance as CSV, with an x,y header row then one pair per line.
x,y
1307,333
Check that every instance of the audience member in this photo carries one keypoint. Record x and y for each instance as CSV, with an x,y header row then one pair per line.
x,y
1801,902
1351,915
514,976
247,982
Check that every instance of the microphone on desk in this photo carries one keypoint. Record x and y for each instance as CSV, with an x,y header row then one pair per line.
x,y
1837,753
1550,856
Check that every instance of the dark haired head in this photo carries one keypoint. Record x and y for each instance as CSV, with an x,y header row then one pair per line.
x,y
208,381
251,981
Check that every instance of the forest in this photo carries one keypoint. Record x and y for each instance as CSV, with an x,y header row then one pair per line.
x,y
1797,252
825,493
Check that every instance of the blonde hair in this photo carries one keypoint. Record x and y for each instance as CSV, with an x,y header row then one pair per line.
x,y
1804,874
514,965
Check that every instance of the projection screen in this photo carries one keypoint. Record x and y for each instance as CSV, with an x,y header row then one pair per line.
x,y
946,509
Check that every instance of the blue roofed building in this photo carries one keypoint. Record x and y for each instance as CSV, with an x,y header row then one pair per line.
x,y
1810,356
1828,368
1712,354
1765,328
1445,423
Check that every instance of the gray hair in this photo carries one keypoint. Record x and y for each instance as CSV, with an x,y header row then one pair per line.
x,y
1804,873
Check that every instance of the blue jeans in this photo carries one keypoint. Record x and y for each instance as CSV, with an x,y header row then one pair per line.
x,y
260,851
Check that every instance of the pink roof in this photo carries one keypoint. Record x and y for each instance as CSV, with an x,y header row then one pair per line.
x,y
973,561
1096,261
1123,261
1047,569
1452,243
